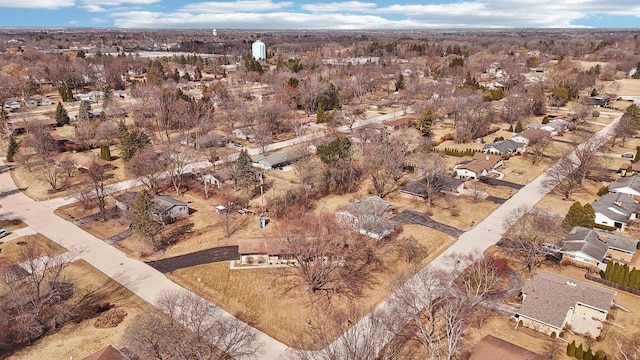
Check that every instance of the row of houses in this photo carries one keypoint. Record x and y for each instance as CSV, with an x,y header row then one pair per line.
x,y
517,144
33,101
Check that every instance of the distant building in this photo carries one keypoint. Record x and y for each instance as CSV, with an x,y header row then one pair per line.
x,y
259,50
214,32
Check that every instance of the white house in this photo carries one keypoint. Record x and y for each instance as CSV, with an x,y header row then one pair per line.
x,y
594,247
529,135
480,165
615,210
629,185
505,147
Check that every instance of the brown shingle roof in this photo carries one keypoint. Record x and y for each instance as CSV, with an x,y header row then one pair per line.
x,y
492,348
107,353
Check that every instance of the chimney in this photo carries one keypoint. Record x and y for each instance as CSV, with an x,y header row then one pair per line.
x,y
486,157
602,238
618,203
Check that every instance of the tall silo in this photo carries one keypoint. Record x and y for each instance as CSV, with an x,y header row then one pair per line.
x,y
259,50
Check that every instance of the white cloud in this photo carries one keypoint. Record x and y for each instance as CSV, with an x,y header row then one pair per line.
x,y
119,2
349,6
214,7
37,4
96,20
268,14
93,8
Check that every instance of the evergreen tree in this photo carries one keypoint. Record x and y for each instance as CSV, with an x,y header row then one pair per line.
x,y
588,216
588,355
12,148
571,349
399,85
144,217
574,216
510,128
518,127
105,152
545,119
130,142
244,173
84,111
608,271
62,116
580,353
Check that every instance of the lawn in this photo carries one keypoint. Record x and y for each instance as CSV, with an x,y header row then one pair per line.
x,y
13,250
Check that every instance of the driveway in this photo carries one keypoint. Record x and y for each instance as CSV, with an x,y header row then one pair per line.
x,y
498,182
417,217
224,253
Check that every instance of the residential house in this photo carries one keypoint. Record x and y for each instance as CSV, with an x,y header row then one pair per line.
x,y
263,251
38,101
629,169
480,165
21,126
82,161
493,348
368,133
594,247
551,301
12,105
90,96
505,147
629,185
205,141
167,208
401,123
528,135
554,127
615,210
219,178
245,133
276,160
596,100
107,353
418,189
368,216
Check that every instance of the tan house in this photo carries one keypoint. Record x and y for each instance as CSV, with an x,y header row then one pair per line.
x,y
262,251
480,165
551,301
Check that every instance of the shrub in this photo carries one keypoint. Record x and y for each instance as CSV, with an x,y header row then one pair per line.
x,y
571,349
545,119
110,319
603,190
553,335
595,113
562,334
520,323
604,227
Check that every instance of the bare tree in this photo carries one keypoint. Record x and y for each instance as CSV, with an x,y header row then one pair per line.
x,y
384,161
527,229
328,260
97,175
148,165
628,349
176,165
191,328
561,177
354,342
537,147
37,298
625,128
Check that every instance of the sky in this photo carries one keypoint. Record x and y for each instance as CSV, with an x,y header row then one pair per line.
x,y
330,14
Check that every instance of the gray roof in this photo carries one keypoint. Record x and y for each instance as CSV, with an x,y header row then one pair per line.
x,y
372,205
550,296
616,206
585,240
276,159
419,187
167,202
504,146
618,242
630,181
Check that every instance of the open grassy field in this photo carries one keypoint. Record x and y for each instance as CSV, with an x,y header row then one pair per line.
x,y
13,250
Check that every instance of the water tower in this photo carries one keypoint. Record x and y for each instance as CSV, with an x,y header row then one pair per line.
x,y
259,50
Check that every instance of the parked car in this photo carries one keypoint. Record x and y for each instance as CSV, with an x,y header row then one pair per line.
x,y
237,144
628,156
3,233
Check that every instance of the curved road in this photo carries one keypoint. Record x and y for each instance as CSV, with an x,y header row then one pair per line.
x,y
149,283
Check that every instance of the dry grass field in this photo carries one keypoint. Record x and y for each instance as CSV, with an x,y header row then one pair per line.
x,y
77,340
13,251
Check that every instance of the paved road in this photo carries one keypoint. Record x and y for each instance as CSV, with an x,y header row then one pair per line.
x,y
412,216
140,278
224,253
149,283
485,234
